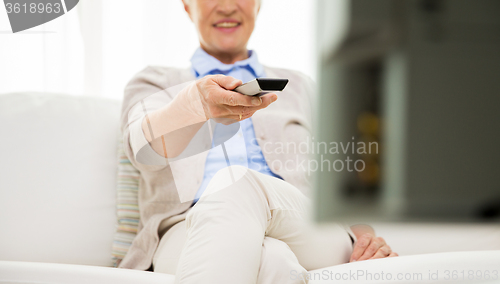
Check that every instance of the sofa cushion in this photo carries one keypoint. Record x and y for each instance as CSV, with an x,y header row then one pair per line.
x,y
58,169
127,209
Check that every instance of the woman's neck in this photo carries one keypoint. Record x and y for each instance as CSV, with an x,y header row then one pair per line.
x,y
228,58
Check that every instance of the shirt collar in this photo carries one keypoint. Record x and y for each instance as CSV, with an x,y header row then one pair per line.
x,y
203,63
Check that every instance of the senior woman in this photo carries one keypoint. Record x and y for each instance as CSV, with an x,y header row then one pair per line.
x,y
206,221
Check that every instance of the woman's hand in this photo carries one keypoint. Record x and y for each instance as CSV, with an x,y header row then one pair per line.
x,y
221,103
175,124
368,246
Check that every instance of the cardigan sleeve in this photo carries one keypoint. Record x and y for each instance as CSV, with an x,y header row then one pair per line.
x,y
147,91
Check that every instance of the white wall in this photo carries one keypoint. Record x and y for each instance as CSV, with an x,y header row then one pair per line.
x,y
96,48
45,58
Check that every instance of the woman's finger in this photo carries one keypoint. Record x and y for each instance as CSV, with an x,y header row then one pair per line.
x,y
267,99
360,247
217,89
226,82
232,118
374,246
227,120
382,252
215,93
393,254
231,98
249,110
237,110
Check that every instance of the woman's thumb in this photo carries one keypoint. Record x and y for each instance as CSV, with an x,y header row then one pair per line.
x,y
227,82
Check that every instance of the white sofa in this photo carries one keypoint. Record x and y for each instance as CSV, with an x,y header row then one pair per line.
x,y
57,202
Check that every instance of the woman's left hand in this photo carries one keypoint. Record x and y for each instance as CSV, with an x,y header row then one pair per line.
x,y
370,247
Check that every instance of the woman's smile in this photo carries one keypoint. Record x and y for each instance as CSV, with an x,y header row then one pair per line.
x,y
227,25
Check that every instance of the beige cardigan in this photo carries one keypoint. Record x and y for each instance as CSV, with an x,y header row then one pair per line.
x,y
287,120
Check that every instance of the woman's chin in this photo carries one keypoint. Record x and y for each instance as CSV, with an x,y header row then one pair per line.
x,y
231,47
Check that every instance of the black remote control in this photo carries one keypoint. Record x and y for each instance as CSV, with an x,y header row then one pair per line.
x,y
262,86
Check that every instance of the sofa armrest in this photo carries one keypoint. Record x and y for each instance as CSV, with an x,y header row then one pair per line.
x,y
449,267
55,273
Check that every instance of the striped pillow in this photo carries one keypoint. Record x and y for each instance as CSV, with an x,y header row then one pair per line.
x,y
127,208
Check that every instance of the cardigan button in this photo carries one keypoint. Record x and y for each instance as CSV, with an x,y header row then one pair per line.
x,y
262,136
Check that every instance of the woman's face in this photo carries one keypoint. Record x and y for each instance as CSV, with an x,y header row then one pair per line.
x,y
224,26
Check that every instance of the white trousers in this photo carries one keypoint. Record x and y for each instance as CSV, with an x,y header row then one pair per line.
x,y
249,228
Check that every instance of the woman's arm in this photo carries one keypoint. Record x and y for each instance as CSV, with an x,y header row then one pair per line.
x,y
169,129
368,246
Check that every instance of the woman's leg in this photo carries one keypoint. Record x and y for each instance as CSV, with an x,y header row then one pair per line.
x,y
279,264
226,229
169,250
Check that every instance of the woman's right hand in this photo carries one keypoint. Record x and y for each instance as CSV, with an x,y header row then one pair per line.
x,y
224,105
175,124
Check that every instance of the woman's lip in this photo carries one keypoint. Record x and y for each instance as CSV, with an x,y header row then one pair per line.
x,y
227,20
228,30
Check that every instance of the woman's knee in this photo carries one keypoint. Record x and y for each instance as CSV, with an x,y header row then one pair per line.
x,y
227,177
234,191
232,182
